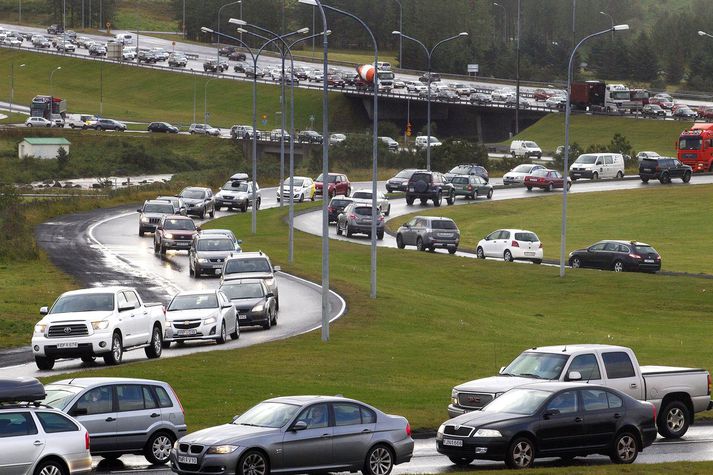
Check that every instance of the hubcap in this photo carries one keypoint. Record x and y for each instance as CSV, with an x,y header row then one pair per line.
x,y
380,461
522,454
50,470
618,267
675,419
254,464
575,263
626,448
222,332
161,448
117,348
156,342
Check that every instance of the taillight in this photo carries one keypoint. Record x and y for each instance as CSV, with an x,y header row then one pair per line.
x,y
709,384
352,216
470,187
515,244
330,209
179,401
408,429
86,439
654,407
381,217
540,245
635,256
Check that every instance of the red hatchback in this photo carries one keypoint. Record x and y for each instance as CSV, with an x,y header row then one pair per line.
x,y
337,184
546,179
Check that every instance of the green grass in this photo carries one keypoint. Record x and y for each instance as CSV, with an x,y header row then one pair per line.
x,y
145,15
350,56
138,94
643,134
666,225
13,118
438,321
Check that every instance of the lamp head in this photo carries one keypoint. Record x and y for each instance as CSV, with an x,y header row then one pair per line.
x,y
395,32
205,29
621,27
463,33
496,4
602,13
303,31
237,21
242,30
326,33
58,68
702,33
309,2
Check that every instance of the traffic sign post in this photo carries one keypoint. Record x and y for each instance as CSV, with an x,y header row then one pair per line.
x,y
473,69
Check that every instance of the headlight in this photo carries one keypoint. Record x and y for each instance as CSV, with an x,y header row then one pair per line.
x,y
100,325
175,445
222,449
144,220
202,261
487,433
209,320
168,236
258,308
40,328
441,429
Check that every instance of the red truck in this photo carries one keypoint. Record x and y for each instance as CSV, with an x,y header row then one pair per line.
x,y
47,107
695,147
588,94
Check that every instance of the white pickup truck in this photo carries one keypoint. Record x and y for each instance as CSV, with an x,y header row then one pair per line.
x,y
103,321
677,393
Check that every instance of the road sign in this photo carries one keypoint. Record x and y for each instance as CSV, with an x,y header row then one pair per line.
x,y
473,69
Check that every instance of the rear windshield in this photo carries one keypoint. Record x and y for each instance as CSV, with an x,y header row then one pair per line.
x,y
193,194
179,224
330,178
460,170
84,303
529,237
443,224
191,302
250,264
340,203
363,210
459,180
361,195
156,208
251,290
649,162
645,249
215,245
522,168
540,172
421,177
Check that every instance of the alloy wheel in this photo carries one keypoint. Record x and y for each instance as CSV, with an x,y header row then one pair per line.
x,y
254,464
380,461
522,454
675,419
626,448
161,448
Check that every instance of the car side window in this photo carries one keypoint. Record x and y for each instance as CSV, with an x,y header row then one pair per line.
x,y
315,416
492,236
16,424
594,399
608,160
346,414
587,366
132,299
164,400
53,423
367,416
598,247
618,365
623,248
412,222
504,235
611,247
97,401
149,399
565,403
130,397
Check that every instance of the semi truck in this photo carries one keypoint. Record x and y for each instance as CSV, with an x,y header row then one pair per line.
x,y
365,78
48,107
695,147
598,96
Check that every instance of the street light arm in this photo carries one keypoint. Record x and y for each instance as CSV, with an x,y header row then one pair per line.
x,y
412,39
242,43
459,35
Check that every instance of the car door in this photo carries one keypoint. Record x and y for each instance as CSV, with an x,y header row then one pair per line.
x,y
677,169
21,442
501,243
140,325
407,234
621,374
600,421
587,366
126,319
309,448
561,427
137,411
599,166
354,427
228,312
489,243
96,410
596,257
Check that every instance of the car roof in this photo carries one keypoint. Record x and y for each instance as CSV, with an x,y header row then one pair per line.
x,y
302,400
200,236
97,290
622,241
89,382
516,230
570,349
178,216
242,281
157,201
245,255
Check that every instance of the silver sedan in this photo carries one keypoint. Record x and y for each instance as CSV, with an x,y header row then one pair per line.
x,y
299,434
381,201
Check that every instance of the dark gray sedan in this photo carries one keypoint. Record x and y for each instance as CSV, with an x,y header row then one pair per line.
x,y
208,253
299,434
254,303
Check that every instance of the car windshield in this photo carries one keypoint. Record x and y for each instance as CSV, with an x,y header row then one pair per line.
x,y
235,186
443,224
518,401
526,236
157,208
58,396
363,210
84,303
193,302
268,414
362,195
586,159
690,143
540,172
522,169
460,170
179,224
251,290
215,245
404,174
250,264
537,365
193,194
330,178
295,181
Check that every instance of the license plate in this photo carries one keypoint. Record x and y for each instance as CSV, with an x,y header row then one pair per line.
x,y
444,234
529,253
242,317
651,261
183,243
188,460
68,344
453,442
185,332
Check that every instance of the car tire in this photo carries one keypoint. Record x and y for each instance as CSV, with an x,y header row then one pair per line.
x,y
388,210
507,256
665,178
461,461
451,198
141,233
274,318
569,185
687,177
244,207
537,261
490,194
452,250
529,188
619,175
339,229
153,351
595,176
29,125
438,200
380,235
480,253
158,448
302,198
674,420
267,325
379,461
235,334
257,206
645,180
114,357
50,467
400,241
165,344
520,454
409,200
550,188
419,244
625,448
223,336
618,266
218,208
44,363
202,214
253,462
575,263
162,250
347,230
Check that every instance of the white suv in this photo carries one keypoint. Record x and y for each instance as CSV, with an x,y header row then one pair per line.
x,y
38,439
525,148
511,245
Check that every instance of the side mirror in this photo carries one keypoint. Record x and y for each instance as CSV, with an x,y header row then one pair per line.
x,y
138,210
44,311
226,305
574,376
277,268
79,411
128,307
240,241
198,229
159,228
550,412
299,425
235,417
502,368
406,225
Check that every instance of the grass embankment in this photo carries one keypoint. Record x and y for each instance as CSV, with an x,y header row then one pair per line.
x,y
594,216
145,15
643,134
438,321
140,94
13,118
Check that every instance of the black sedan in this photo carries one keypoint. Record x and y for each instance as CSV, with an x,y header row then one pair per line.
x,y
162,127
309,136
254,303
551,420
618,256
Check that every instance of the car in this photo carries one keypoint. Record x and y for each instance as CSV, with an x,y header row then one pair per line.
x,y
517,175
277,135
642,155
399,182
546,179
463,89
201,315
97,49
207,254
147,56
664,169
335,80
511,245
302,189
179,206
391,144
65,46
38,122
468,169
662,99
422,141
238,194
684,113
336,207
199,201
472,186
335,139
55,29
109,124
426,185
618,256
309,136
542,94
81,41
428,78
525,148
551,420
337,184
364,195
214,66
218,232
428,233
15,42
252,265
151,212
174,232
243,132
501,95
703,112
598,165
653,110
414,87
203,129
447,95
39,41
164,127
38,439
177,59
479,98
57,120
556,102
253,301
112,408
160,53
128,53
283,435
252,72
237,56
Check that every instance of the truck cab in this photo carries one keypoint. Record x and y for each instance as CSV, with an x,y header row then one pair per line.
x,y
695,147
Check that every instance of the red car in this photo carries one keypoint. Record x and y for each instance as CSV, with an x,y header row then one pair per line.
x,y
542,94
546,179
337,184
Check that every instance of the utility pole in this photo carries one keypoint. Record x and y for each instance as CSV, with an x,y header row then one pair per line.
x,y
517,74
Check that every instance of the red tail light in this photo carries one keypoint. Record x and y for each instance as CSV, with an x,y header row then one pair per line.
x,y
470,187
654,408
86,440
515,244
540,245
330,209
177,399
381,217
408,429
709,384
352,216
635,256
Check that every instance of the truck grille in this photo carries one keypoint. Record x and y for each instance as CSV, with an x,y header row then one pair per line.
x,y
458,431
474,400
186,325
218,260
68,330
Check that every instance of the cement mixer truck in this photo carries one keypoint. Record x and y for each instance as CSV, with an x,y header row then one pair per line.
x,y
364,80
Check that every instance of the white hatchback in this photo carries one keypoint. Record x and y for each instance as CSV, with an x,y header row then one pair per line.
x,y
511,245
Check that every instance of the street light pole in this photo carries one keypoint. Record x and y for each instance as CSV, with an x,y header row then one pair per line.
x,y
52,74
517,74
429,54
568,111
205,102
401,40
12,83
217,28
505,20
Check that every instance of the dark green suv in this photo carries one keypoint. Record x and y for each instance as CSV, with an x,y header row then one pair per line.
x,y
664,169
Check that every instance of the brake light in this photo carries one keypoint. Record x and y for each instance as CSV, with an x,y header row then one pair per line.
x,y
177,399
658,258
408,429
352,216
635,256
381,217
470,187
515,244
654,409
330,209
86,437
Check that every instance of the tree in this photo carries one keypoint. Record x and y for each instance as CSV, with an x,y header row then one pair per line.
x,y
62,158
645,64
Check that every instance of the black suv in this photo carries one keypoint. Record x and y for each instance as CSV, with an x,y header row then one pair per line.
x,y
618,256
468,169
426,185
664,169
215,66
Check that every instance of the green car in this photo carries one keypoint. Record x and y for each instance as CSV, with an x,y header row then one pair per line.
x,y
471,186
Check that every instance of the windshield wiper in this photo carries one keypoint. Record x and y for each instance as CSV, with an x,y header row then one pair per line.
x,y
530,375
246,424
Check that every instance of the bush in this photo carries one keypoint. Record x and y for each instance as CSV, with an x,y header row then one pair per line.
x,y
15,232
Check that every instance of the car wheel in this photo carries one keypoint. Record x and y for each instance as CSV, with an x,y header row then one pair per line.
x,y
451,250
267,325
235,334
480,253
451,198
537,261
244,207
419,245
550,187
162,249
218,208
618,266
619,175
154,349
507,256
223,334
253,462
625,448
674,420
380,235
569,185
438,200
339,229
665,178
165,344
51,467
257,206
645,180
302,198
388,210
520,454
44,363
379,461
687,177
274,318
202,214
575,263
29,125
158,448
347,230
461,461
400,241
409,200
490,194
529,188
212,212
117,352
595,176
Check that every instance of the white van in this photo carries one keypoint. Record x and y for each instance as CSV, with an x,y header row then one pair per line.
x,y
125,38
525,148
598,165
383,66
422,141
